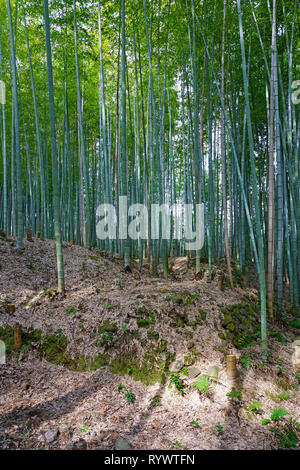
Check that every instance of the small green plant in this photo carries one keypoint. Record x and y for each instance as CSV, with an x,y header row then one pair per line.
x,y
284,396
298,379
185,371
106,337
288,438
176,444
254,407
202,384
125,328
202,314
51,294
143,322
98,289
151,314
177,382
128,394
278,336
155,401
80,325
294,423
196,296
120,283
153,335
195,422
295,323
278,413
84,428
234,394
108,306
129,370
265,421
245,361
71,309
219,428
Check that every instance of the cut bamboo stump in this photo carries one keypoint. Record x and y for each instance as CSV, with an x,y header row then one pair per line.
x,y
231,369
29,236
11,308
17,337
38,235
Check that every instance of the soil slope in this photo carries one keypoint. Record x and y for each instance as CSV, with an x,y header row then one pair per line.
x,y
114,332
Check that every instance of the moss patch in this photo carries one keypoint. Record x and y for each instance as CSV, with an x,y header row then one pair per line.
x,y
143,322
241,323
54,349
7,336
202,314
150,369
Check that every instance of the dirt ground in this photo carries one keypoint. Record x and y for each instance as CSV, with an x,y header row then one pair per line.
x,y
48,406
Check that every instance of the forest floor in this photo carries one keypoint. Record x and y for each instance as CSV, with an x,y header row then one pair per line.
x,y
136,326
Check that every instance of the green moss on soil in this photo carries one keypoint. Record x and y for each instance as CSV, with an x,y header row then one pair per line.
x,y
143,322
241,323
7,336
149,370
202,314
153,335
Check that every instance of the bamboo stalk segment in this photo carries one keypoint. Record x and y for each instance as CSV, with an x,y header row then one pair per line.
x,y
231,369
17,337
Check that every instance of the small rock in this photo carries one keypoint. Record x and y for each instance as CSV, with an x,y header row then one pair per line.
x,y
178,364
111,329
51,435
80,445
193,372
213,372
190,345
122,444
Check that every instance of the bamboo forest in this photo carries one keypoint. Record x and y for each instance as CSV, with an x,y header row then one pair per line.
x,y
149,227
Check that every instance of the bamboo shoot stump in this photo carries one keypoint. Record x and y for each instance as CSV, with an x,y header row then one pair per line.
x,y
11,308
231,369
221,281
29,237
18,337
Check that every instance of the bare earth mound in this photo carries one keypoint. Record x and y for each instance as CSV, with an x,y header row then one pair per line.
x,y
103,361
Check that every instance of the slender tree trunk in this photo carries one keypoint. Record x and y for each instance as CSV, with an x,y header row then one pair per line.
x,y
55,186
223,156
19,198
